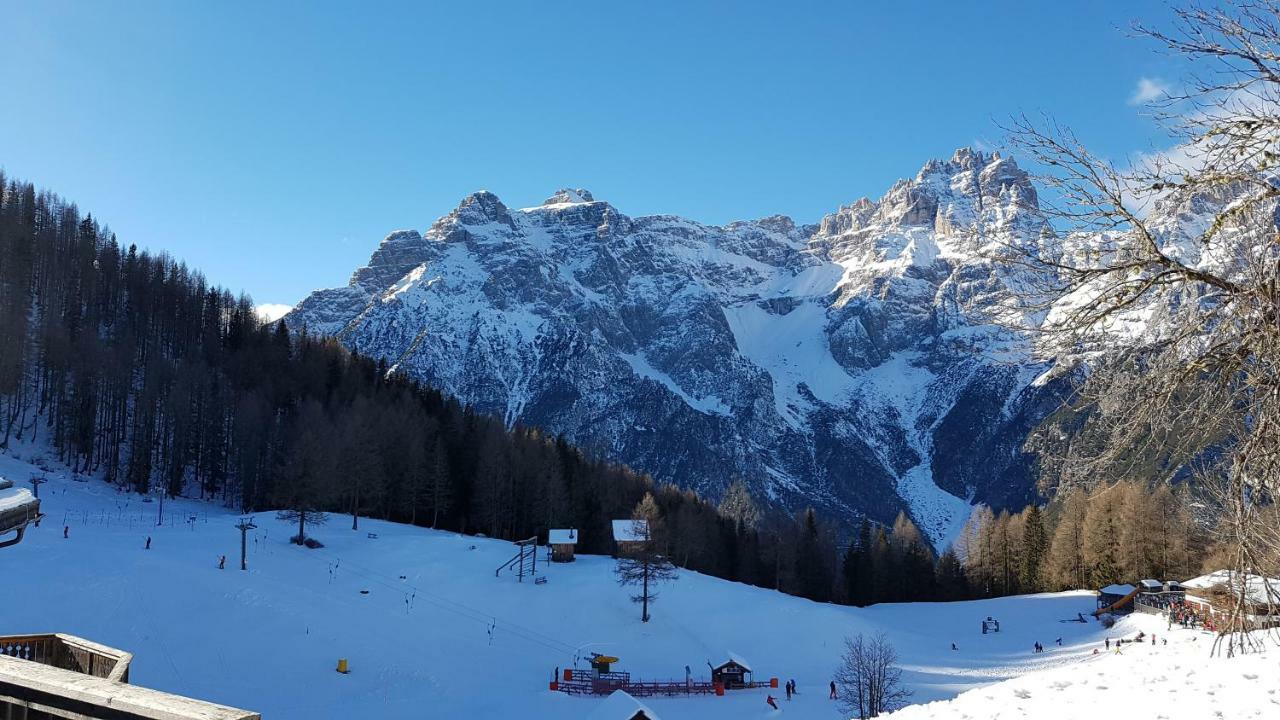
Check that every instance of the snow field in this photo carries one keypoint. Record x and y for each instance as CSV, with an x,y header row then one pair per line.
x,y
437,635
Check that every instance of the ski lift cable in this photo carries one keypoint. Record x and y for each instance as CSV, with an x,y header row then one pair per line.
x,y
452,606
490,622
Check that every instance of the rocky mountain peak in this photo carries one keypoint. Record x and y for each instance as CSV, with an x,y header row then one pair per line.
x,y
566,195
480,208
815,362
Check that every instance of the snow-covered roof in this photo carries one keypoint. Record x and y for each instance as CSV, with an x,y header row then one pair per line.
x,y
1149,583
1259,589
631,530
15,498
1117,589
563,537
621,706
735,658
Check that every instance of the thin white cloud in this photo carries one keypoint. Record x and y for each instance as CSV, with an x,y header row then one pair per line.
x,y
270,312
1148,89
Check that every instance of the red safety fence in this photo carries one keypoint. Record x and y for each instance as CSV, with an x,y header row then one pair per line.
x,y
576,681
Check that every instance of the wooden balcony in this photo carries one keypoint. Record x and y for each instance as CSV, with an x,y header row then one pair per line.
x,y
69,653
62,676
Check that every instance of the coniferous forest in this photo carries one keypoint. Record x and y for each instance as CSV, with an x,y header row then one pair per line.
x,y
132,366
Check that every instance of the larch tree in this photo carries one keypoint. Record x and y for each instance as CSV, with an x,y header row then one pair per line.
x,y
642,564
1205,371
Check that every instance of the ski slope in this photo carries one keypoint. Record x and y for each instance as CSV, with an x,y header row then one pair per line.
x,y
1140,682
437,634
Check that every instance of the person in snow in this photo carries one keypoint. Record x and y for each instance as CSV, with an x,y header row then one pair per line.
x,y
222,562
788,692
794,689
953,646
148,547
771,702
65,530
833,689
1108,643
1059,642
1153,638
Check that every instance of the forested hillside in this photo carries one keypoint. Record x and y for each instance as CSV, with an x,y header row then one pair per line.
x,y
132,366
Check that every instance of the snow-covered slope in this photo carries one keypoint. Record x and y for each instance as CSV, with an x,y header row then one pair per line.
x,y
438,635
1140,682
845,364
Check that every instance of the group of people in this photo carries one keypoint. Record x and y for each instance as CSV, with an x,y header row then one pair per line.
x,y
1187,616
1040,648
790,688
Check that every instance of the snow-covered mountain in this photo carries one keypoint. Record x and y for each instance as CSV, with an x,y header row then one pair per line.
x,y
848,364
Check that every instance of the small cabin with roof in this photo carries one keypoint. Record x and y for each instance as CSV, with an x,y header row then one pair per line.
x,y
621,706
630,535
732,673
1110,598
562,544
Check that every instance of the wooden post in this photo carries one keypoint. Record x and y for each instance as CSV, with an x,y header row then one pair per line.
x,y
245,525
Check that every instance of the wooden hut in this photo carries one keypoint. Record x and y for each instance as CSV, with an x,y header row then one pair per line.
x,y
630,535
562,544
1115,599
733,673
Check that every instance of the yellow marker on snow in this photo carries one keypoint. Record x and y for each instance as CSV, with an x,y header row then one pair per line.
x,y
342,666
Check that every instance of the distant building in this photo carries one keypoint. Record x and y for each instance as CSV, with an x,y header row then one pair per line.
x,y
630,535
1214,594
1116,599
63,676
733,673
562,544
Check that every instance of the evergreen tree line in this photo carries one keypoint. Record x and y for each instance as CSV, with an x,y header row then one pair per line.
x,y
131,365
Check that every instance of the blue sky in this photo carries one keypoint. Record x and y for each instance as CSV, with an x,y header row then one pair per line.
x,y
272,145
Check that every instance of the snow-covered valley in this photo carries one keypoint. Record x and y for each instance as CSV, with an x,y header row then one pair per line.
x,y
429,631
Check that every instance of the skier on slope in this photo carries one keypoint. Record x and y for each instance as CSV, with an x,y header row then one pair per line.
x,y
148,547
833,689
771,702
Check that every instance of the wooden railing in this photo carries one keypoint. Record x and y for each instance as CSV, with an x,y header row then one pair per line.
x,y
69,652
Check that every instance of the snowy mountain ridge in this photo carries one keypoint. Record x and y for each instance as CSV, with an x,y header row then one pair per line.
x,y
846,364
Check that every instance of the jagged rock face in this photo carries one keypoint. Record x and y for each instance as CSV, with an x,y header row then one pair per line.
x,y
845,365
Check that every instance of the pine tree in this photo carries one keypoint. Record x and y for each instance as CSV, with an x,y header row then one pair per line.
x,y
1035,544
951,582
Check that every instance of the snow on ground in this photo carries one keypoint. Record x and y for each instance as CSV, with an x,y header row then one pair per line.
x,y
1140,681
438,635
